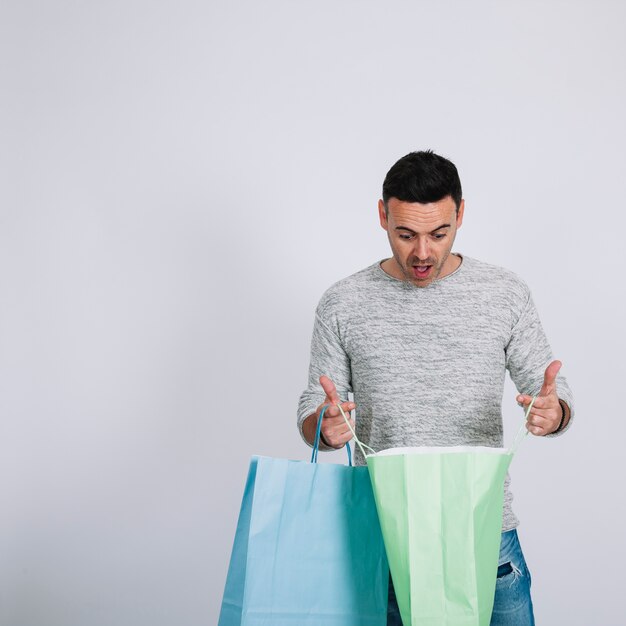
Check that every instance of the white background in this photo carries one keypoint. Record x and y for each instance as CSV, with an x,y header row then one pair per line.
x,y
180,182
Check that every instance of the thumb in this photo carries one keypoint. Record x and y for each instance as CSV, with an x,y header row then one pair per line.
x,y
549,378
329,389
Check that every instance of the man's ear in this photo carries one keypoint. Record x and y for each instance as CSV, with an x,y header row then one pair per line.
x,y
382,214
459,217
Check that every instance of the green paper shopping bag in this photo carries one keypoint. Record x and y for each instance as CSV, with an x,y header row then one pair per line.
x,y
440,511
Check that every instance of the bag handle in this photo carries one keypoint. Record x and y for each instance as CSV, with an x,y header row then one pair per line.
x,y
318,433
361,445
521,433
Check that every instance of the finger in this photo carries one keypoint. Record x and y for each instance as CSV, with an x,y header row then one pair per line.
x,y
524,400
540,420
329,389
547,403
550,413
334,425
333,432
536,430
347,407
540,426
338,434
343,429
343,439
333,410
549,378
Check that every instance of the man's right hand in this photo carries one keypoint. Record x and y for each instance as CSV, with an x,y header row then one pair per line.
x,y
334,428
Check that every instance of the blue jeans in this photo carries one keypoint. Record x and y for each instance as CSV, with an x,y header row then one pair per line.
x,y
512,605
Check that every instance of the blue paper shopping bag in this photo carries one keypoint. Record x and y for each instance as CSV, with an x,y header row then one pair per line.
x,y
308,548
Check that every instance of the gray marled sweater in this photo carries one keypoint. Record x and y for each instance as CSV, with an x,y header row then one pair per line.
x,y
427,365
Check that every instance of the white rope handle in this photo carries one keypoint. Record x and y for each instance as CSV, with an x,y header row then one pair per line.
x,y
523,431
361,445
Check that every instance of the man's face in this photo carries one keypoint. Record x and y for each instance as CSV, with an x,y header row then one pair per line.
x,y
421,237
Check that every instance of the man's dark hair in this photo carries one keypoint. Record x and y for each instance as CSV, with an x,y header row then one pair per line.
x,y
422,177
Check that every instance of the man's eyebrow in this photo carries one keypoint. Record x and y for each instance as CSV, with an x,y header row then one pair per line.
x,y
431,232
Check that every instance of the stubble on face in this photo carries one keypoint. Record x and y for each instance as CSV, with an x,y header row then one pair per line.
x,y
421,241
407,268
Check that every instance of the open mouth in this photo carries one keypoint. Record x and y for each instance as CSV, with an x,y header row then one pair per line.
x,y
422,271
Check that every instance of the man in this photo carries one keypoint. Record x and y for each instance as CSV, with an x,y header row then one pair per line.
x,y
423,339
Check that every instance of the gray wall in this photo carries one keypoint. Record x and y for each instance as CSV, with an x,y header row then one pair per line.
x,y
180,181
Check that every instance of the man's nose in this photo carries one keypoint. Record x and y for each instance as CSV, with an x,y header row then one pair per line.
x,y
422,251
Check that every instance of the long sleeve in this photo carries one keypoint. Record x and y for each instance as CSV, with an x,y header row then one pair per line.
x,y
528,353
328,357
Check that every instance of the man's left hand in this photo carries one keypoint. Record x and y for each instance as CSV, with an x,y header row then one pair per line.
x,y
545,415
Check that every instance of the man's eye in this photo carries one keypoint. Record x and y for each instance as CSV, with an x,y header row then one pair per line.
x,y
439,236
407,237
